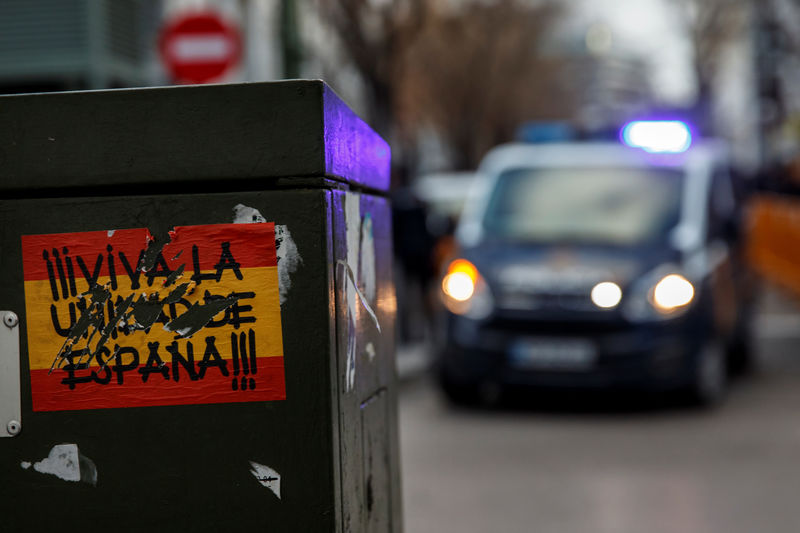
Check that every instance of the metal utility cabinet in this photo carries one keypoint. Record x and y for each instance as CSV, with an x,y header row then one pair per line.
x,y
197,312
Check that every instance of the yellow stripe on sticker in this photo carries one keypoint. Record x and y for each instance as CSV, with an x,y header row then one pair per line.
x,y
201,325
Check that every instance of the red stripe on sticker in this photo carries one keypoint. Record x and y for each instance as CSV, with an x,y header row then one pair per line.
x,y
249,245
102,390
62,257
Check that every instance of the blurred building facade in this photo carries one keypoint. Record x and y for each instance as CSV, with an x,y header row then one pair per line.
x,y
609,84
76,44
52,45
92,44
776,42
609,90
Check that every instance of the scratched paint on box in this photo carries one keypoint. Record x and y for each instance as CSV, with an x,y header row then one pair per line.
x,y
123,319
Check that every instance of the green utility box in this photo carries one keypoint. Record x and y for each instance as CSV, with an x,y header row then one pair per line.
x,y
197,312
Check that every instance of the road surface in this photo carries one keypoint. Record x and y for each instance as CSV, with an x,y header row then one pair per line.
x,y
613,468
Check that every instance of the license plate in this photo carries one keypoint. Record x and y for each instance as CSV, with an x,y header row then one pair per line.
x,y
549,354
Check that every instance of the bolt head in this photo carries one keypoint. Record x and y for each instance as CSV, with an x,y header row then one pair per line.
x,y
10,319
14,427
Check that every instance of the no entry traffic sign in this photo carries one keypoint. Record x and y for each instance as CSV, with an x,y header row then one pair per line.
x,y
199,47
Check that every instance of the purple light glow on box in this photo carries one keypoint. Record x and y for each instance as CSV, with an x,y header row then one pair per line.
x,y
352,149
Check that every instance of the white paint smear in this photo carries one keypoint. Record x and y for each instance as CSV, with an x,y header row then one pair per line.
x,y
285,248
267,477
361,298
370,349
111,232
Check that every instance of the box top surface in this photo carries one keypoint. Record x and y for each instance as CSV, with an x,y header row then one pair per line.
x,y
187,134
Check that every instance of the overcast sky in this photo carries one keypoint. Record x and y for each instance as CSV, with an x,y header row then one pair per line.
x,y
650,29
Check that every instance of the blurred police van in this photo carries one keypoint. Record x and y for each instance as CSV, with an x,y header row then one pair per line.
x,y
598,265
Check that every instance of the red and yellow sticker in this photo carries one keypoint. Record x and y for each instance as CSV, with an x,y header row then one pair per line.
x,y
115,319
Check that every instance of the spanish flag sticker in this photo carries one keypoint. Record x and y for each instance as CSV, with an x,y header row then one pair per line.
x,y
116,319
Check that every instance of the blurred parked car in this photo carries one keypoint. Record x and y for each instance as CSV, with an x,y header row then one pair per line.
x,y
444,195
597,265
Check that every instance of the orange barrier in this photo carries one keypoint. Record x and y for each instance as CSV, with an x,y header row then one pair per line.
x,y
773,239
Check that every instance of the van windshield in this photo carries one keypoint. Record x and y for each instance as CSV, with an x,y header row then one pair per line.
x,y
617,206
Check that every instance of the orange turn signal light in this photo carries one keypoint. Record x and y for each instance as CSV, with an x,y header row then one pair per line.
x,y
459,282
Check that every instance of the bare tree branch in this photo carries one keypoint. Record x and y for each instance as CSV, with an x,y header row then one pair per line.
x,y
476,75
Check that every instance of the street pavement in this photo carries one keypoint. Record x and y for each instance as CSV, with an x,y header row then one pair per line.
x,y
612,467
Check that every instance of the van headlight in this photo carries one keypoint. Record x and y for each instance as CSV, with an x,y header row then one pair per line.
x,y
465,292
672,292
659,295
606,295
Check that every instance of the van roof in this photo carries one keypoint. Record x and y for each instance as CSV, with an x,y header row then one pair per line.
x,y
594,154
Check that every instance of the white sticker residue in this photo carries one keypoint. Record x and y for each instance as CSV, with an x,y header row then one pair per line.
x,y
111,233
370,349
288,259
246,215
352,220
285,248
65,462
62,462
267,477
182,331
368,275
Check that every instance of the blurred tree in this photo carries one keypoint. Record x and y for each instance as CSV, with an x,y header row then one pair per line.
x,y
375,35
715,24
711,25
475,75
471,71
291,46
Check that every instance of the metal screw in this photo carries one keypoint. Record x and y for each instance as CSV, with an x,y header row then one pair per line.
x,y
10,319
14,427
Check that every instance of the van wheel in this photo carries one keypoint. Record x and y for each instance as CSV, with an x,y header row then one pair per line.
x,y
462,394
710,376
741,352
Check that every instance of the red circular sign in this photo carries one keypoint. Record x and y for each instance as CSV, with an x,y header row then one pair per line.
x,y
199,47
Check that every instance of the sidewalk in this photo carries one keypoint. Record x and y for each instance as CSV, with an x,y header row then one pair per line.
x,y
777,312
413,360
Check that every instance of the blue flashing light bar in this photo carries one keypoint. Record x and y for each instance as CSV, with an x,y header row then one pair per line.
x,y
658,136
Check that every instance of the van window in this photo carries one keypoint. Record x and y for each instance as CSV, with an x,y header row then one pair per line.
x,y
618,206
